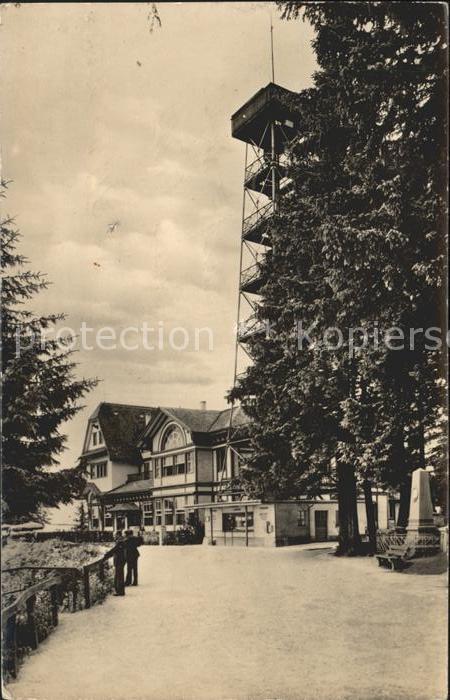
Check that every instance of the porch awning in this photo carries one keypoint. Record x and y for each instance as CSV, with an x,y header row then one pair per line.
x,y
123,507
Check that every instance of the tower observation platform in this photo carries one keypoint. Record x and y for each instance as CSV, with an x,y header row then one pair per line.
x,y
266,123
250,123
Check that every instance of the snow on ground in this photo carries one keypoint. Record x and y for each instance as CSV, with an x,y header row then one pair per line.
x,y
229,623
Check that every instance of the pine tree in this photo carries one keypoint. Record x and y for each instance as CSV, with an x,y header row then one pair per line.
x,y
39,392
82,521
358,242
390,79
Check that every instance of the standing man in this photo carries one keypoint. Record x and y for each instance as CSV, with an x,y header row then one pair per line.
x,y
132,554
119,564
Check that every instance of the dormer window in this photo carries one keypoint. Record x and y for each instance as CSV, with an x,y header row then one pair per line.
x,y
96,435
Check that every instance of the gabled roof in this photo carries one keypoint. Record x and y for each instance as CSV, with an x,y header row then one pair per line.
x,y
196,420
222,421
120,425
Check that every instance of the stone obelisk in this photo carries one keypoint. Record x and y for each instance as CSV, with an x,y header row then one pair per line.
x,y
421,529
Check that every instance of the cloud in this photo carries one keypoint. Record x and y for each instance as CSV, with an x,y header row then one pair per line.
x,y
92,139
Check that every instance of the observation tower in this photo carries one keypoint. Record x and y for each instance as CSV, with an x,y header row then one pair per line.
x,y
266,124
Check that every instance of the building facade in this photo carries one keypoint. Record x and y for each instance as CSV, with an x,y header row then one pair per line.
x,y
110,455
160,469
166,461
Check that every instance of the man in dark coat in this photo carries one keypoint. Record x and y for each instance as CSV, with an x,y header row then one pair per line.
x,y
132,554
119,564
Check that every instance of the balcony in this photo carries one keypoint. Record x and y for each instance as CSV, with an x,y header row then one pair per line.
x,y
250,328
256,226
251,279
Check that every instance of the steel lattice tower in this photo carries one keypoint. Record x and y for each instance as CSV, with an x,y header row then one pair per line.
x,y
266,125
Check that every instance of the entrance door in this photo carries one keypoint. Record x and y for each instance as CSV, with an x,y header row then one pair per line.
x,y
120,522
321,523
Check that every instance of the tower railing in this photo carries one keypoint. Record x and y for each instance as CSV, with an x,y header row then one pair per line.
x,y
248,328
260,164
258,216
258,174
251,277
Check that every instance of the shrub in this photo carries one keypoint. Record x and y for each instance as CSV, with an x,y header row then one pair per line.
x,y
151,538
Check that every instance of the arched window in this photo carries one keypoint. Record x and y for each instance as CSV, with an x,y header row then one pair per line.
x,y
172,438
96,435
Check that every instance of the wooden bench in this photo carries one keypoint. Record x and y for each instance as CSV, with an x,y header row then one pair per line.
x,y
396,556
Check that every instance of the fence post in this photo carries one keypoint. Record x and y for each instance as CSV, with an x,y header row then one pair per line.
x,y
87,590
32,636
10,658
54,604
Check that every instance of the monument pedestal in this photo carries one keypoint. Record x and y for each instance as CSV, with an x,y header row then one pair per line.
x,y
421,530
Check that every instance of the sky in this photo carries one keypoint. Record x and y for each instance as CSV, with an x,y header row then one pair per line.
x,y
126,183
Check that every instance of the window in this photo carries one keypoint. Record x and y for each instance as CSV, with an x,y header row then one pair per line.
x,y
108,519
147,509
172,438
168,511
176,464
302,518
179,514
147,471
168,466
221,461
236,522
99,470
158,511
97,437
157,468
181,463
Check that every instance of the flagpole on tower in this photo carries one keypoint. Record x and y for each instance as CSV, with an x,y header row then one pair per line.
x,y
271,48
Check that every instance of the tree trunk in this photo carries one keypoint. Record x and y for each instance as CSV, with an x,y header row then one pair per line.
x,y
370,516
405,497
349,537
343,513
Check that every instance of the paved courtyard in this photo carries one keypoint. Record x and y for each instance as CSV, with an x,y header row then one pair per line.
x,y
235,624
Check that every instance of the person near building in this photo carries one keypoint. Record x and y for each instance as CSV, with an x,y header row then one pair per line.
x,y
119,564
132,555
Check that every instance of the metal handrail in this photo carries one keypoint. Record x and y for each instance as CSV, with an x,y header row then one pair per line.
x,y
250,327
255,166
257,216
251,273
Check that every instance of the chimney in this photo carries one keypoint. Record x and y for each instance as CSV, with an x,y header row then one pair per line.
x,y
203,405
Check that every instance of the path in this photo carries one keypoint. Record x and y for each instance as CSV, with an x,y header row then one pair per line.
x,y
212,623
